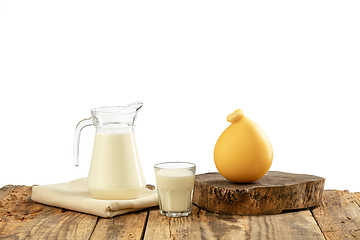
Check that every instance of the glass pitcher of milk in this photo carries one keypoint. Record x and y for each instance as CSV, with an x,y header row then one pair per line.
x,y
115,170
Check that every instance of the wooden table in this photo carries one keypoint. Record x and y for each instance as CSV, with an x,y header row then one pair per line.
x,y
337,217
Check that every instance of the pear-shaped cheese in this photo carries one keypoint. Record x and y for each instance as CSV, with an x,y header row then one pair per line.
x,y
243,153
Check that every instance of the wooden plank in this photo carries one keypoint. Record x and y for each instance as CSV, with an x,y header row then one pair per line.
x,y
128,226
338,215
287,225
275,192
202,224
21,218
157,226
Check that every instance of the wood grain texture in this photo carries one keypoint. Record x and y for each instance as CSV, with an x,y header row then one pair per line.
x,y
356,197
21,218
298,224
202,224
157,226
15,209
128,226
275,192
338,216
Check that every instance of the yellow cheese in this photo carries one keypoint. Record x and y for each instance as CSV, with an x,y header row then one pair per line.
x,y
243,153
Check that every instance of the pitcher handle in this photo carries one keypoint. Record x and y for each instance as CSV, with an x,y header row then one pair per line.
x,y
83,123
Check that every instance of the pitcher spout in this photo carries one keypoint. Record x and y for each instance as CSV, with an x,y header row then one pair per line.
x,y
116,116
133,107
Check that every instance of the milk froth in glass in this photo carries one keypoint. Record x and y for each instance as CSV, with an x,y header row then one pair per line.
x,y
175,184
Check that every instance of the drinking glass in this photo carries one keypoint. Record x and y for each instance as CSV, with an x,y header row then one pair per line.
x,y
175,185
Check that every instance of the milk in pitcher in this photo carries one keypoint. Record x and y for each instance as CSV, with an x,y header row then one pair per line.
x,y
115,171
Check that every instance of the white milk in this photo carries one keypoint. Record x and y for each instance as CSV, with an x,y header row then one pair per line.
x,y
115,171
175,187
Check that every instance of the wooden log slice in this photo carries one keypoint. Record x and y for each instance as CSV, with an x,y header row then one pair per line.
x,y
273,193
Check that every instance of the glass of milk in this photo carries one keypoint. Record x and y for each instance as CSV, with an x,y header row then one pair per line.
x,y
175,184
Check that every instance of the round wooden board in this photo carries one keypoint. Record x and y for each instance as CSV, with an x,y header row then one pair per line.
x,y
273,193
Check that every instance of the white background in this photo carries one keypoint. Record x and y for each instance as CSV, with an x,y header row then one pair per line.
x,y
293,67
